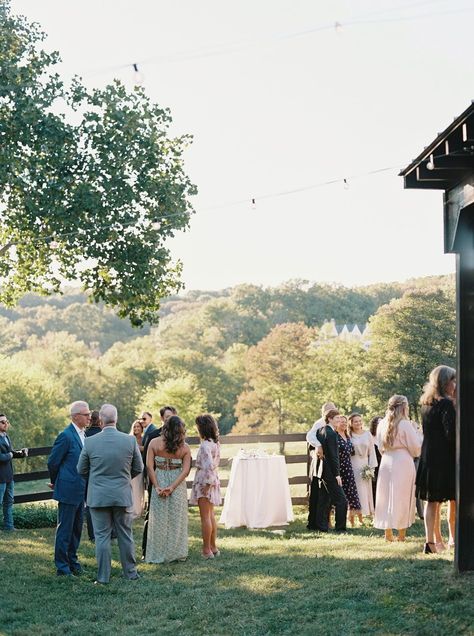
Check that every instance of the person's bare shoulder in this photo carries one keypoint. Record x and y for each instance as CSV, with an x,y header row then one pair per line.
x,y
156,444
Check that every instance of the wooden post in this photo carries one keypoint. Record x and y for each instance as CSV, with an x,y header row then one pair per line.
x,y
464,550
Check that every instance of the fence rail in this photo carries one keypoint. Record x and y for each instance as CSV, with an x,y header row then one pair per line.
x,y
192,441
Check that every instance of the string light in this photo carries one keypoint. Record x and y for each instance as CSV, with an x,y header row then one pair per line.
x,y
242,46
156,224
138,77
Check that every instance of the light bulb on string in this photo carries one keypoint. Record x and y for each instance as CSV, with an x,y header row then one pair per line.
x,y
138,76
253,204
346,184
338,27
53,245
156,225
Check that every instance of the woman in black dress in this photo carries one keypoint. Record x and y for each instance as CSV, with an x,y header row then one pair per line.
x,y
347,474
435,479
374,422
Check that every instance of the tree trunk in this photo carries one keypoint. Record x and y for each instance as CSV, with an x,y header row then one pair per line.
x,y
281,426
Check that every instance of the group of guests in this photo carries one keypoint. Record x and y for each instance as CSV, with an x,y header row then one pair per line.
x,y
357,472
105,469
372,472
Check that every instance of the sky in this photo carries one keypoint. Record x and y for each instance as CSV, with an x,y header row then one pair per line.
x,y
282,96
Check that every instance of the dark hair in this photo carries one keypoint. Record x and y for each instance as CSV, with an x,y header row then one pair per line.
x,y
94,419
148,413
207,427
374,422
173,432
167,408
330,414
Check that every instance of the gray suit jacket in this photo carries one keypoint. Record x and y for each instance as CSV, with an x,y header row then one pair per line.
x,y
110,460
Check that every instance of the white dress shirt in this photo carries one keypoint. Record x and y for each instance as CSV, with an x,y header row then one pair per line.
x,y
80,432
311,435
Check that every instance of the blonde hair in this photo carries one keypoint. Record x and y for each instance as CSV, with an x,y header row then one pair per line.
x,y
133,426
435,388
397,405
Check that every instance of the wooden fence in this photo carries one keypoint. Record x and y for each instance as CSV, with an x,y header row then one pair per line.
x,y
301,478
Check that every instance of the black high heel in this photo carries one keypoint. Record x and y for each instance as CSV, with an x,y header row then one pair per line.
x,y
428,549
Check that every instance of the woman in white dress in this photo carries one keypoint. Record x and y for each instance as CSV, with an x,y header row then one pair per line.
x,y
138,493
399,442
364,455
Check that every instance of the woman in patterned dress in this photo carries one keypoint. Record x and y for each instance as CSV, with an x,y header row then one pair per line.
x,y
168,463
347,474
206,491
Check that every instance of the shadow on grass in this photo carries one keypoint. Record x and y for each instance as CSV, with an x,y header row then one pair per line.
x,y
298,582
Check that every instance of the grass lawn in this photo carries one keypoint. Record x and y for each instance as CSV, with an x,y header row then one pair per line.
x,y
266,582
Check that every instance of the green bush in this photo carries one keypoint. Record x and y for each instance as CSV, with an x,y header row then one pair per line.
x,y
35,515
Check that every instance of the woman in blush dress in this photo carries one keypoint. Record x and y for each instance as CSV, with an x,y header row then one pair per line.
x,y
347,474
138,486
399,442
364,455
206,491
168,464
435,479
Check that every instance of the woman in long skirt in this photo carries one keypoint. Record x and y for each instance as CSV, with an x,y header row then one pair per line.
x,y
364,456
399,442
168,465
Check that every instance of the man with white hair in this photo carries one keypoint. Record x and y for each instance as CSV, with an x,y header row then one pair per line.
x,y
69,489
110,460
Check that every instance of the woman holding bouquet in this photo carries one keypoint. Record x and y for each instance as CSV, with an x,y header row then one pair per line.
x,y
364,462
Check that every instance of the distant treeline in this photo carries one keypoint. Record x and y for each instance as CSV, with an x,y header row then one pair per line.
x,y
254,356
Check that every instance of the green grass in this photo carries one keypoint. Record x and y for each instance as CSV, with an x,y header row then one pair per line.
x,y
266,582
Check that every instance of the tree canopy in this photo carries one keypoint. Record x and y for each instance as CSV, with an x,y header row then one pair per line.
x,y
91,183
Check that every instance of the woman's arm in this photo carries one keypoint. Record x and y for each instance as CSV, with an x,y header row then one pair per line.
x,y
186,467
150,463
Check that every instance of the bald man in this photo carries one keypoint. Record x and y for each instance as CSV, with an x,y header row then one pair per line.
x,y
110,460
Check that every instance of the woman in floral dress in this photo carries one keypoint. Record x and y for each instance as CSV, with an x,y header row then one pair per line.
x,y
206,491
347,474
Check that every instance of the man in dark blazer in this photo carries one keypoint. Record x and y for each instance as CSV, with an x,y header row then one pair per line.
x,y
109,461
69,489
6,473
146,419
330,482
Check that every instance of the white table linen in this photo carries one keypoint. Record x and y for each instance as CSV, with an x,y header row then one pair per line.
x,y
258,494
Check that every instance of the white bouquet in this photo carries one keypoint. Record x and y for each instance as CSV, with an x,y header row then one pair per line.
x,y
367,473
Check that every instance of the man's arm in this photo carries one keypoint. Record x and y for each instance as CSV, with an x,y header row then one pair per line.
x,y
137,462
83,465
311,436
332,455
57,455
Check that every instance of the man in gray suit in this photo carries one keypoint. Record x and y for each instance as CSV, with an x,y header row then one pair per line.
x,y
110,460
